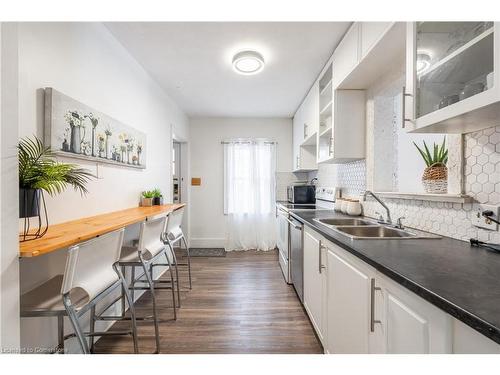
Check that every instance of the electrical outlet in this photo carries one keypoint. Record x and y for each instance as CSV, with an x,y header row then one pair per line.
x,y
480,221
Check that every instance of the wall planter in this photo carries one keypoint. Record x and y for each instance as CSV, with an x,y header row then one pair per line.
x,y
29,202
40,172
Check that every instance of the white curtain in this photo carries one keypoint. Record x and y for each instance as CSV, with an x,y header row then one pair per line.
x,y
249,194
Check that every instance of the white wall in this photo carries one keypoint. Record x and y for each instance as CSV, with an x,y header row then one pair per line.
x,y
208,224
84,61
9,210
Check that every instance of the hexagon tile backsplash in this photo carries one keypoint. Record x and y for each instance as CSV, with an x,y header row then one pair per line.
x,y
481,181
482,165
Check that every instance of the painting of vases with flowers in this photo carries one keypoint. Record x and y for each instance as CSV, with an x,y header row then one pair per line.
x,y
73,129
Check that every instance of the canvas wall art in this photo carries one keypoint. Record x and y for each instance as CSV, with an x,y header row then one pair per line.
x,y
75,130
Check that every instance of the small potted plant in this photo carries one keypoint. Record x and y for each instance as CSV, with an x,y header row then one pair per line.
x,y
435,177
157,197
39,171
147,198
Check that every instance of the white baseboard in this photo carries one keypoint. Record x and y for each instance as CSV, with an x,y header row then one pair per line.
x,y
207,242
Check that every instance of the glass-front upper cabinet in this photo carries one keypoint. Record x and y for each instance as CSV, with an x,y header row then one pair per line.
x,y
452,85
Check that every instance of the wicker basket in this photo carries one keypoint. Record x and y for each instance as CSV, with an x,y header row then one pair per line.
x,y
435,179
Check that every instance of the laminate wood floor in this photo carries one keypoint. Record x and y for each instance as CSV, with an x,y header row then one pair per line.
x,y
238,304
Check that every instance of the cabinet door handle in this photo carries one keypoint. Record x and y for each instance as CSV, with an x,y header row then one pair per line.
x,y
373,288
403,107
305,130
320,257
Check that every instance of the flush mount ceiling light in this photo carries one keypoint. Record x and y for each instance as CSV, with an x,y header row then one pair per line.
x,y
423,62
248,62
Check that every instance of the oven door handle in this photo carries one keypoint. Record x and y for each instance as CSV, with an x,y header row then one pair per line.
x,y
293,224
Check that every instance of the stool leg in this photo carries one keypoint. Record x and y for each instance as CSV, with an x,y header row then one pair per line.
x,y
124,290
130,307
92,328
60,333
132,282
73,318
155,315
189,262
174,258
172,283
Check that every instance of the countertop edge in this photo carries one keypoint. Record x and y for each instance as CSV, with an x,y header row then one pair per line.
x,y
473,321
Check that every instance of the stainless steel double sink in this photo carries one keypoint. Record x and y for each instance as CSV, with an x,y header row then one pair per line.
x,y
358,229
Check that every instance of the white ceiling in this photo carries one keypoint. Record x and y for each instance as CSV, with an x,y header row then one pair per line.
x,y
192,62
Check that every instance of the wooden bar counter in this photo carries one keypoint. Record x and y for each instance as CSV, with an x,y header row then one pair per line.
x,y
63,235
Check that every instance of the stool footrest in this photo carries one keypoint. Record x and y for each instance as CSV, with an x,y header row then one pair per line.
x,y
109,333
111,318
138,318
148,288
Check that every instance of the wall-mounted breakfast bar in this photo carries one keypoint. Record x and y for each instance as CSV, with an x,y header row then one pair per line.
x,y
63,235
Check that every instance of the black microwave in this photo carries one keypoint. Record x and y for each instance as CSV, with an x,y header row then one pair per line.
x,y
301,194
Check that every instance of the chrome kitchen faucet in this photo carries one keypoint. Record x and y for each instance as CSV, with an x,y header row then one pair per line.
x,y
389,221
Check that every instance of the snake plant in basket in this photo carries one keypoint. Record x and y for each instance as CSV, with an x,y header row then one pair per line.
x,y
40,172
435,177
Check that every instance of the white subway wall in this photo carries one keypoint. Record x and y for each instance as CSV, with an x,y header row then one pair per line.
x,y
84,61
208,223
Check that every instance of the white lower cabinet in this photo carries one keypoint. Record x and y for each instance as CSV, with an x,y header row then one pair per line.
x,y
357,310
348,305
411,325
315,281
468,341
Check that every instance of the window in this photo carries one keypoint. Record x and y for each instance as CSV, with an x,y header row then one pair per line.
x,y
249,177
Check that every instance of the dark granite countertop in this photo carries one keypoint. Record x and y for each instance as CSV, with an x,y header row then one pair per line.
x,y
460,279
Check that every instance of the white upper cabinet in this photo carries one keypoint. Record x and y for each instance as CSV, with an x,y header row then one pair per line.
x,y
298,137
347,54
310,115
305,128
342,128
370,33
452,76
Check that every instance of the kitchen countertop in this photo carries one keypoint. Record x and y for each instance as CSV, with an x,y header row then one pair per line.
x,y
460,279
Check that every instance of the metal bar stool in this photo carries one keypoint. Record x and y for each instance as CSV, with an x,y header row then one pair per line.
x,y
90,275
150,248
174,234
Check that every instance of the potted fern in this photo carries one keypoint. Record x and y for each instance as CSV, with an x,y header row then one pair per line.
x,y
40,172
435,177
147,198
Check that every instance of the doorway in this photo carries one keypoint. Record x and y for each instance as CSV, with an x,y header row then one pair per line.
x,y
176,173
